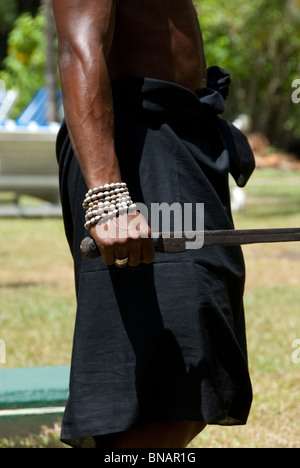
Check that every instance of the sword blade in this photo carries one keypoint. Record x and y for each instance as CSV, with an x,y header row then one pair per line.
x,y
178,242
251,236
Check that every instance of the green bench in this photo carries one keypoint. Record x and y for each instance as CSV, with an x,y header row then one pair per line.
x,y
31,398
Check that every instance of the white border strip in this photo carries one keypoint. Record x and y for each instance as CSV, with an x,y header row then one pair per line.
x,y
32,411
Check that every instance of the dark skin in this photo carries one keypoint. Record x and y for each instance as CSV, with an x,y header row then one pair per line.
x,y
101,40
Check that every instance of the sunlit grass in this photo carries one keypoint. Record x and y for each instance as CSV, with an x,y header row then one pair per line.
x,y
36,293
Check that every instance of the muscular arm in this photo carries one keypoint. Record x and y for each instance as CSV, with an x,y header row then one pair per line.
x,y
85,31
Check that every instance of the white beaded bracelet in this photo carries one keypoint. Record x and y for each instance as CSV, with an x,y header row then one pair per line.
x,y
104,191
106,202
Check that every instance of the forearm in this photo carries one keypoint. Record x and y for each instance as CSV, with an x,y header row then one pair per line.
x,y
89,115
86,30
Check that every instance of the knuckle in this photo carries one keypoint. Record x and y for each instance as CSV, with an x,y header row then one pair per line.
x,y
134,263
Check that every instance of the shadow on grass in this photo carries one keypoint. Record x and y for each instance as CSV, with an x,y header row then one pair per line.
x,y
24,284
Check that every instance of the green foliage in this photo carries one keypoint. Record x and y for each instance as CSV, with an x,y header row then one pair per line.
x,y
7,14
25,63
259,43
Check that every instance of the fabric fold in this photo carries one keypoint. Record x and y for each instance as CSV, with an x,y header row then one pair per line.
x,y
163,341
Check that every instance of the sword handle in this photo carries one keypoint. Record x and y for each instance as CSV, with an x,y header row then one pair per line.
x,y
90,250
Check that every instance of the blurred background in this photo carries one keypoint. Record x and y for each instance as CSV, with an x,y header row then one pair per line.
x,y
258,42
28,51
31,109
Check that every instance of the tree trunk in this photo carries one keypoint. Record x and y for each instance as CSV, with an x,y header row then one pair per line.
x,y
51,77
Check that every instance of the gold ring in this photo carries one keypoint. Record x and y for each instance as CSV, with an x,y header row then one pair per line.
x,y
121,262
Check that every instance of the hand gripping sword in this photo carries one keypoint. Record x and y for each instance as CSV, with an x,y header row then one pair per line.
x,y
178,242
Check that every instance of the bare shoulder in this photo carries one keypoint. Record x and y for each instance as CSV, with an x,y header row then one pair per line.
x,y
87,20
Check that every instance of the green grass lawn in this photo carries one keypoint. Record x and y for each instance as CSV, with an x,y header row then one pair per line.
x,y
37,311
36,293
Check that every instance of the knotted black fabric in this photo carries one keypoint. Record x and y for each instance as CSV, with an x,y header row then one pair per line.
x,y
164,341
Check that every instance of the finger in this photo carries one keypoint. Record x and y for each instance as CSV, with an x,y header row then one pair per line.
x,y
105,248
121,250
107,256
131,250
147,251
134,254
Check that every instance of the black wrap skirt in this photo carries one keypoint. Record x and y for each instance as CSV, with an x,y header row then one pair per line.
x,y
164,341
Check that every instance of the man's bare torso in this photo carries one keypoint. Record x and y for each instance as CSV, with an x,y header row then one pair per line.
x,y
158,39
